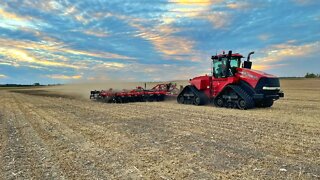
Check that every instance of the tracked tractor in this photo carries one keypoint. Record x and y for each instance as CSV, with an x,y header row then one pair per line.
x,y
233,84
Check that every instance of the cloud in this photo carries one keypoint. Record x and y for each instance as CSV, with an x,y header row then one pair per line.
x,y
219,19
193,2
63,77
275,55
198,10
12,21
279,52
96,33
3,76
109,66
49,53
239,5
172,47
267,67
161,36
17,56
264,37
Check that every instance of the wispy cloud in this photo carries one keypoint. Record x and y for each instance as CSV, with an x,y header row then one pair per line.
x,y
282,51
64,77
171,46
12,21
279,55
3,76
199,10
264,37
239,5
17,56
49,53
96,33
193,2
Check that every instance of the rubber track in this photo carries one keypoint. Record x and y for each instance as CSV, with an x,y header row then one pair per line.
x,y
203,97
244,95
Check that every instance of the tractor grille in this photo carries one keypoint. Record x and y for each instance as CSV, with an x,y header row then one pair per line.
x,y
267,82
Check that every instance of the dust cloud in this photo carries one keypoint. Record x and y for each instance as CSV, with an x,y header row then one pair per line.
x,y
82,89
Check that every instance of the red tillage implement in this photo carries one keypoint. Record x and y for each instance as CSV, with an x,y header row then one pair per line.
x,y
157,93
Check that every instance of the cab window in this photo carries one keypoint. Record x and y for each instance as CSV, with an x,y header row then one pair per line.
x,y
219,68
234,63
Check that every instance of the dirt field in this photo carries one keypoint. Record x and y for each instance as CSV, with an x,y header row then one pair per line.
x,y
52,136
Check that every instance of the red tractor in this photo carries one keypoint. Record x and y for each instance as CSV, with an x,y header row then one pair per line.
x,y
232,85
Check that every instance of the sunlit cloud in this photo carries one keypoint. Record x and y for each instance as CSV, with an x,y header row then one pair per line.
x,y
64,77
12,21
274,55
3,76
279,52
260,67
52,46
264,37
39,55
104,55
23,56
199,10
193,2
219,19
109,66
172,47
96,33
239,5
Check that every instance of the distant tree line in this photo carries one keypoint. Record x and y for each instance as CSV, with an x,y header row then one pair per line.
x,y
312,75
20,85
27,85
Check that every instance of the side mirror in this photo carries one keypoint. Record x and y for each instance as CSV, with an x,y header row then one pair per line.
x,y
247,64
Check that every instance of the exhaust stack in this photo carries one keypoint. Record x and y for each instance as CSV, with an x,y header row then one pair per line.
x,y
247,64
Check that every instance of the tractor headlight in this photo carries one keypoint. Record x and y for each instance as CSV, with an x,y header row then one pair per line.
x,y
270,88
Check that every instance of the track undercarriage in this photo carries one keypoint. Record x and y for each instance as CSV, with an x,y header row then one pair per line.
x,y
233,96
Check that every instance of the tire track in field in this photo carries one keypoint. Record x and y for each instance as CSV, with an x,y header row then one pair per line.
x,y
198,141
264,130
24,154
72,151
108,162
248,129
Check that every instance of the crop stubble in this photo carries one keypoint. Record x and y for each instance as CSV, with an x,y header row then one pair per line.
x,y
72,138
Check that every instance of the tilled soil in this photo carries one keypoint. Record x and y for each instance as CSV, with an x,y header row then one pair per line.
x,y
62,138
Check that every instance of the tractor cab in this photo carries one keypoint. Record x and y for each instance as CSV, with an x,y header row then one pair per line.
x,y
225,65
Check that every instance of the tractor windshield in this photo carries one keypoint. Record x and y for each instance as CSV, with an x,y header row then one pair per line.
x,y
235,62
220,67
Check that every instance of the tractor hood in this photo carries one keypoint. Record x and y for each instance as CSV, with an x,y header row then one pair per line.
x,y
252,76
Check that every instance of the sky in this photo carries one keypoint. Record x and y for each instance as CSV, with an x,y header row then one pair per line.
x,y
63,41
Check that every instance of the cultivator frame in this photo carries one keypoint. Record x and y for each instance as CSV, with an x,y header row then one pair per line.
x,y
158,93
